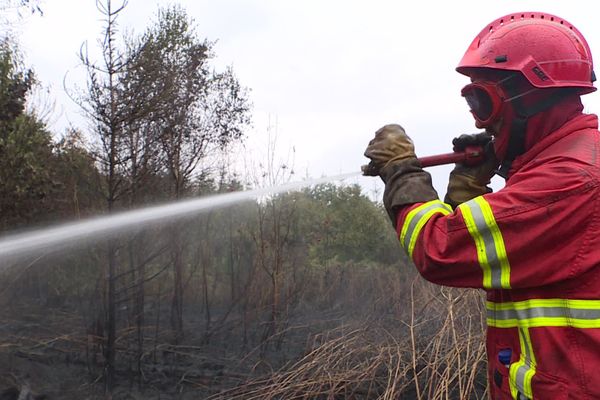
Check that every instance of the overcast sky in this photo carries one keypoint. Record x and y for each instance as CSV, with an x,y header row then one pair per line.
x,y
327,74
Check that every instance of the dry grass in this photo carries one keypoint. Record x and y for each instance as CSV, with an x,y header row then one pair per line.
x,y
437,351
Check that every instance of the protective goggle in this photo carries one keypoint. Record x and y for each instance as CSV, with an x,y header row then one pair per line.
x,y
485,100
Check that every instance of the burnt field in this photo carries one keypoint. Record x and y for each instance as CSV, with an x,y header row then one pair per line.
x,y
353,333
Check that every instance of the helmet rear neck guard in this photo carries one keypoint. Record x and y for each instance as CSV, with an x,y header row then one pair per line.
x,y
549,51
518,124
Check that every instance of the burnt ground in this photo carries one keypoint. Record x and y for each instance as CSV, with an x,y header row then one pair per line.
x,y
49,351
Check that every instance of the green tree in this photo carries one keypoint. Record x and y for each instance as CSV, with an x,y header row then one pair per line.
x,y
79,179
187,108
26,149
185,105
343,225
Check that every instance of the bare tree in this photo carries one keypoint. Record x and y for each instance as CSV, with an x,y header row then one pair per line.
x,y
275,216
32,5
108,117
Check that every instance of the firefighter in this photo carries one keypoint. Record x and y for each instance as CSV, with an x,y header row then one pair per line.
x,y
534,245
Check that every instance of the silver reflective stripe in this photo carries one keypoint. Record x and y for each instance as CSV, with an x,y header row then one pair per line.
x,y
534,313
520,381
490,245
410,231
524,366
543,312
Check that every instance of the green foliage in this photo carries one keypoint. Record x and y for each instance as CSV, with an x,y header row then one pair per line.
x,y
34,171
342,224
25,147
80,180
25,151
183,105
15,83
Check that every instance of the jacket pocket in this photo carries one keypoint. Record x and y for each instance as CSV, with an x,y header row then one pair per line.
x,y
499,382
545,386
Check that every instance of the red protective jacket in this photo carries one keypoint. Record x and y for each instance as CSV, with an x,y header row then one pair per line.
x,y
534,246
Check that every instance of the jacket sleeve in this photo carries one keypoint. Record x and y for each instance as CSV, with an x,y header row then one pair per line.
x,y
536,231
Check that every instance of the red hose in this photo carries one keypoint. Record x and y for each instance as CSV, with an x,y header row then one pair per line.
x,y
472,155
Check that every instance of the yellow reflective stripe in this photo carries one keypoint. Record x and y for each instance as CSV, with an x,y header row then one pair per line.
x,y
498,241
526,314
522,372
415,221
479,244
491,252
536,303
544,312
545,322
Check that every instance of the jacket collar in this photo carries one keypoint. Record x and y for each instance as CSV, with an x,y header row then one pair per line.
x,y
578,122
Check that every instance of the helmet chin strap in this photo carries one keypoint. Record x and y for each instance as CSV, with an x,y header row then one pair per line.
x,y
518,127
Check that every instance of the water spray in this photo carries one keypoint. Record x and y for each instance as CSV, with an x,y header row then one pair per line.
x,y
55,238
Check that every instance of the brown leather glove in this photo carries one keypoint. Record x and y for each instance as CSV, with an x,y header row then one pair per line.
x,y
391,143
468,182
392,155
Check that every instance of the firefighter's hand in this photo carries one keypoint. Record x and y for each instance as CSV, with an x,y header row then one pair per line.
x,y
392,155
391,144
468,182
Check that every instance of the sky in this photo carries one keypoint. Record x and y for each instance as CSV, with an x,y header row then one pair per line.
x,y
324,75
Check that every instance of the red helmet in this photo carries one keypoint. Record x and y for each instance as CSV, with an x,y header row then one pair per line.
x,y
546,49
